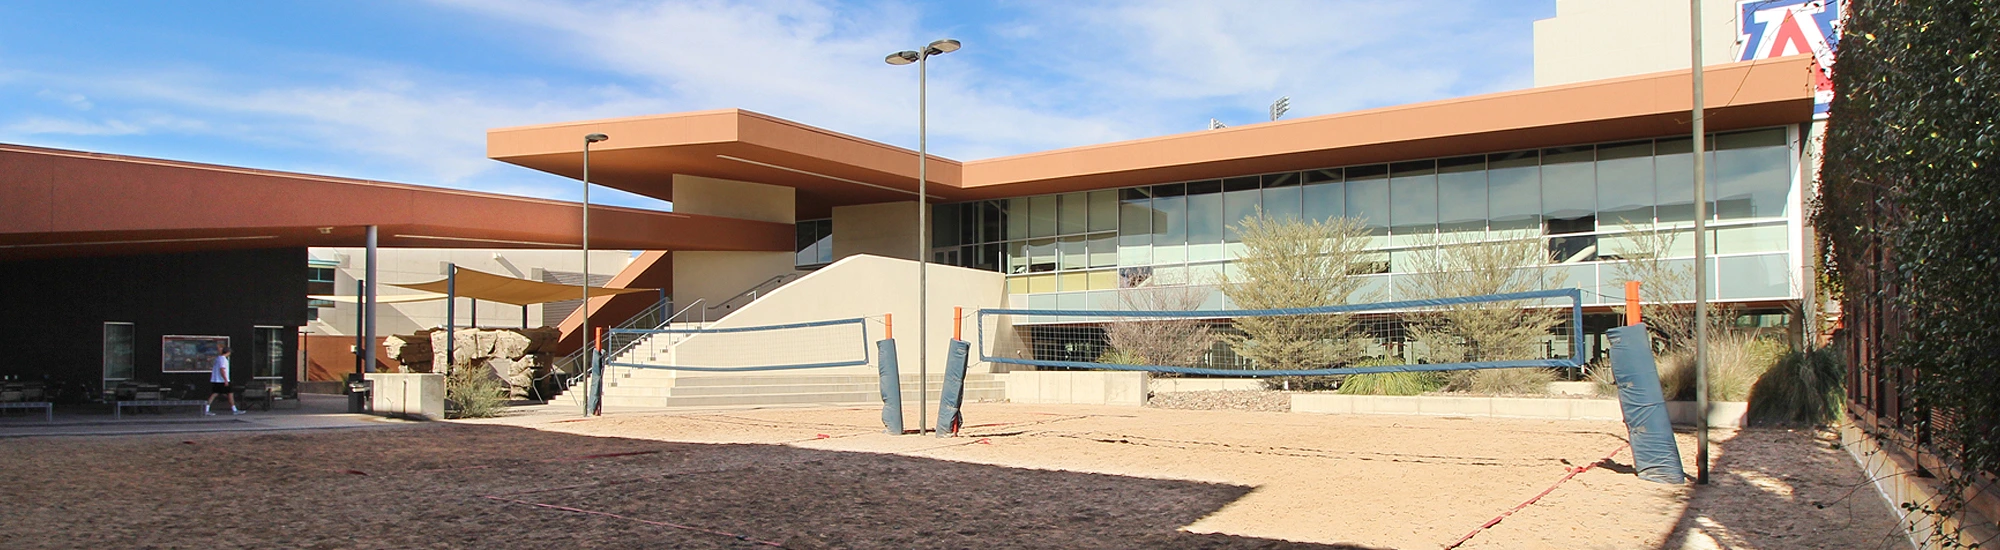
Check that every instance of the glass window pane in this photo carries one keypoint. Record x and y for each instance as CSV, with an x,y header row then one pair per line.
x,y
1041,255
1038,284
1103,210
1075,211
1017,215
1514,185
1135,227
1017,285
1073,281
1757,238
269,352
1071,250
1625,185
1462,196
1569,188
1204,203
1104,279
1103,249
1016,255
1236,207
1673,171
1170,225
1413,201
1753,174
944,225
119,339
1368,197
992,221
1752,277
1042,216
1325,195
1281,196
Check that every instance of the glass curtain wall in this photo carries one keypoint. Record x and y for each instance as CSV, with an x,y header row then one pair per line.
x,y
1584,202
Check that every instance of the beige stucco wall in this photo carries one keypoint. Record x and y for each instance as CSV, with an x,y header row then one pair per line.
x,y
1598,39
884,229
864,286
419,265
715,277
1078,388
735,199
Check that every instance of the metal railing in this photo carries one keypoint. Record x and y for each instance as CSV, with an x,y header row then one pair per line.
x,y
751,294
617,344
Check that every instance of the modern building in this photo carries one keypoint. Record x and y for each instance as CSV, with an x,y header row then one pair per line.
x,y
1583,166
116,263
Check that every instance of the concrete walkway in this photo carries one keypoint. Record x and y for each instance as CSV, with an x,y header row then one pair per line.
x,y
313,412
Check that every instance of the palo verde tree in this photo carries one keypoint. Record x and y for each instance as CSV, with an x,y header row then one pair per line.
x,y
1292,263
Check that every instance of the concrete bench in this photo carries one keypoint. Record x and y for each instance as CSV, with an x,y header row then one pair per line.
x,y
119,410
48,409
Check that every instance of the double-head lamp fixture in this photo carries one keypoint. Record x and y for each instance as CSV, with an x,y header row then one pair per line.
x,y
906,57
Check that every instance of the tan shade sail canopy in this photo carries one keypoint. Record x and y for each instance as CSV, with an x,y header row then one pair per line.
x,y
508,290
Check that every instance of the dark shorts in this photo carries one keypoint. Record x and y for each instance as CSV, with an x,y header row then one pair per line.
x,y
219,388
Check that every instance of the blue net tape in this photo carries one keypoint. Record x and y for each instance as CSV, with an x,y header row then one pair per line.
x,y
1256,373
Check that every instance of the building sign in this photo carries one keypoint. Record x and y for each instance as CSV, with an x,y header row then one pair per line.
x,y
190,353
1777,28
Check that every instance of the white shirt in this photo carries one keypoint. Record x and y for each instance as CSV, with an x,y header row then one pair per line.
x,y
220,374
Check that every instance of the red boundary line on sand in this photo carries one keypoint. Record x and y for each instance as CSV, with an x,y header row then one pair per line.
x,y
1545,492
744,538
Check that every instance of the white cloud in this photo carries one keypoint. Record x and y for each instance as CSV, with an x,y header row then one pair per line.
x,y
74,100
55,126
1038,77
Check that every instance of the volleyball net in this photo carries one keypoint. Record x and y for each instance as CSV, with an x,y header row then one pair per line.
x,y
1162,332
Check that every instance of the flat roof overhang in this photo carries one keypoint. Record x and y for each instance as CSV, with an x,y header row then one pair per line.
x,y
62,203
832,169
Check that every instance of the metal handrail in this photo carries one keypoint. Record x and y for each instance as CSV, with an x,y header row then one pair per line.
x,y
752,291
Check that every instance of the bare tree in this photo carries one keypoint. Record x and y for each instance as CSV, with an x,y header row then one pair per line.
x,y
1289,263
1171,342
1483,331
1666,287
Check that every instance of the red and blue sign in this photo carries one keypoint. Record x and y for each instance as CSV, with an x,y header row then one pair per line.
x,y
1778,28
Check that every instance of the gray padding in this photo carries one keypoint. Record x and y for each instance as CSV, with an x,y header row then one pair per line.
x,y
892,388
1654,453
948,419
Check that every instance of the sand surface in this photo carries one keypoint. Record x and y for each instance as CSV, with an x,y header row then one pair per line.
x,y
1023,476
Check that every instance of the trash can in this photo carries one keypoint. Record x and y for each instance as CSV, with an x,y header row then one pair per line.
x,y
360,394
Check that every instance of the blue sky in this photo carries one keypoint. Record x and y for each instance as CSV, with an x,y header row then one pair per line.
x,y
403,91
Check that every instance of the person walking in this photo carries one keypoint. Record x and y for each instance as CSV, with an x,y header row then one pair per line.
x,y
218,382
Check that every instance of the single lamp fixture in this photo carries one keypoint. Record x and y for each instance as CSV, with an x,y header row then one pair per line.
x,y
594,138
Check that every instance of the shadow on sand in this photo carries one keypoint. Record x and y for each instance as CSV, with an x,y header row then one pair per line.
x,y
487,486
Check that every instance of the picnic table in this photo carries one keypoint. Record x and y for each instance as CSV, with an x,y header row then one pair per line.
x,y
48,409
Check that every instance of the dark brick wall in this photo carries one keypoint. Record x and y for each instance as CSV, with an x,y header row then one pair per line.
x,y
52,311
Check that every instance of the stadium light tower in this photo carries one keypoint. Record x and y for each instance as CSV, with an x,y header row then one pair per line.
x,y
905,57
595,403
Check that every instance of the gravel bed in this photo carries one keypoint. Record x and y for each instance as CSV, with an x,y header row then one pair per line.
x,y
1241,400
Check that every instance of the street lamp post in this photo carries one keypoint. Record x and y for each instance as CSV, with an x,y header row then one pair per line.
x,y
939,47
595,405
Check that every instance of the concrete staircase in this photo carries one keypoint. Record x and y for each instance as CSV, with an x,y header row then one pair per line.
x,y
650,388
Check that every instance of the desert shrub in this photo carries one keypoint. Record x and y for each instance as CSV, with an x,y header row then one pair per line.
x,y
1522,381
1735,361
1389,383
1802,389
473,393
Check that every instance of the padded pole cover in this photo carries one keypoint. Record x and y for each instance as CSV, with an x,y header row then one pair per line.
x,y
948,419
1654,453
892,388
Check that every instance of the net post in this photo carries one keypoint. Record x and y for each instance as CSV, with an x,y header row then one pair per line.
x,y
957,322
1632,316
1576,324
889,326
